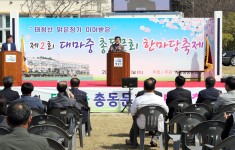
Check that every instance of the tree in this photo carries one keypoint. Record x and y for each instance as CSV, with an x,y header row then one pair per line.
x,y
228,41
63,8
202,8
205,9
229,31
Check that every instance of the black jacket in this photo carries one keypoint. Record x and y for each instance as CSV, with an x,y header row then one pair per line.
x,y
208,94
9,94
177,94
79,94
61,101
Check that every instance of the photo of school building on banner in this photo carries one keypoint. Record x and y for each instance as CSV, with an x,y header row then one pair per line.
x,y
64,47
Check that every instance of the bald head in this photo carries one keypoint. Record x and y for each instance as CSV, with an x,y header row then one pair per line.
x,y
149,85
74,82
62,86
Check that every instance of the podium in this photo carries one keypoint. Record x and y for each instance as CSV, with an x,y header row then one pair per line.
x,y
11,65
118,67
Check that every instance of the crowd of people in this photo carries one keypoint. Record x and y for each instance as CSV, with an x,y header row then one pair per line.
x,y
16,114
150,97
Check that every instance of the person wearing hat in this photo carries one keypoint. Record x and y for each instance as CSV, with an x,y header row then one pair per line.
x,y
7,92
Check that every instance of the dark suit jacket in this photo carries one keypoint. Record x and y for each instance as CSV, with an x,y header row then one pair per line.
x,y
33,102
9,94
208,94
20,139
177,94
62,101
79,95
142,93
3,122
5,47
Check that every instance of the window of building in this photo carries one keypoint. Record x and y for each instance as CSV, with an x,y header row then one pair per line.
x,y
8,21
4,27
0,36
0,21
8,32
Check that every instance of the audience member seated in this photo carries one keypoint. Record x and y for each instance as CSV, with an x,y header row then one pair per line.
x,y
140,93
179,93
210,93
26,98
79,95
19,117
148,99
229,97
7,92
229,127
3,109
62,101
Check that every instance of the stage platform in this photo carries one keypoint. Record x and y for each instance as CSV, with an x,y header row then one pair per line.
x,y
102,98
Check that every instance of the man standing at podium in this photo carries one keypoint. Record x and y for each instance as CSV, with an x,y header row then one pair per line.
x,y
117,47
9,45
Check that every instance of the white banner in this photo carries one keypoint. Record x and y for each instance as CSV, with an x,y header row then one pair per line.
x,y
107,99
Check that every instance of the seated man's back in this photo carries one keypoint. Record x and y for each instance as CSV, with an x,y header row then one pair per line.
x,y
229,97
226,98
61,101
210,93
3,122
79,95
7,92
20,139
19,118
33,102
178,94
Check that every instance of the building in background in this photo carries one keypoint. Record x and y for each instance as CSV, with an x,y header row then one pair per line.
x,y
43,66
51,9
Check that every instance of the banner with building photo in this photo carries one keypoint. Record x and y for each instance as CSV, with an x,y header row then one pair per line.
x,y
63,47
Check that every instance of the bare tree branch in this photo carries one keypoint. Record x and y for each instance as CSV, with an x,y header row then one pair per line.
x,y
61,8
202,8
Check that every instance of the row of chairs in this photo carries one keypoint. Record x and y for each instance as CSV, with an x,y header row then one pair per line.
x,y
53,145
84,108
207,109
60,125
61,119
199,124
